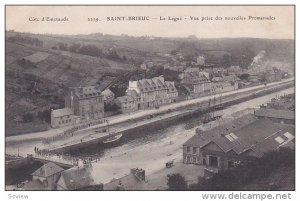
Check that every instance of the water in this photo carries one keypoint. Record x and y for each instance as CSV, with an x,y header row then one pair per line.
x,y
172,132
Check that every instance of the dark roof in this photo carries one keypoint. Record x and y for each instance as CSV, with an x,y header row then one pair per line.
x,y
259,135
202,138
128,182
47,170
87,92
77,178
35,185
272,113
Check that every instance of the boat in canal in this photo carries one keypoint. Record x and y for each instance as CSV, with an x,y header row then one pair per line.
x,y
112,139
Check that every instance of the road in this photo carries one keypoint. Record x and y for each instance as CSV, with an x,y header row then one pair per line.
x,y
138,114
152,155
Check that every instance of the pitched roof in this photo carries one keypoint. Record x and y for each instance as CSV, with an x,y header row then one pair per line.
x,y
37,57
259,136
202,138
128,182
62,112
47,170
87,92
107,92
35,185
77,178
153,84
126,98
273,113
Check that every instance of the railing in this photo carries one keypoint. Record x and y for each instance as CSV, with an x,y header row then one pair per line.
x,y
70,132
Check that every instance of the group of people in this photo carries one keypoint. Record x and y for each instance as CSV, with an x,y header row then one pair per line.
x,y
71,159
70,132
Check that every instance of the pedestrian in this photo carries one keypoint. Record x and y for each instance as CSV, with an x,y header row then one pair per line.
x,y
80,140
34,149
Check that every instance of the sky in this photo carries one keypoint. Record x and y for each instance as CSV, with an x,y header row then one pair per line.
x,y
282,27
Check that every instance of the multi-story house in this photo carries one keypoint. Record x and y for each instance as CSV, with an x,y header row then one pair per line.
x,y
153,92
147,93
86,102
196,81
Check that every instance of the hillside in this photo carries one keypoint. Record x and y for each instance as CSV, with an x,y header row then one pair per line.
x,y
81,60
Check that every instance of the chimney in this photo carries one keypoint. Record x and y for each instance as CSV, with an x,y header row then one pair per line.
x,y
138,173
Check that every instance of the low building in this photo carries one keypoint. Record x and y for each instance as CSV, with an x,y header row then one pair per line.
x,y
272,75
277,116
77,178
108,96
128,103
224,84
63,117
134,181
48,175
201,60
237,143
34,59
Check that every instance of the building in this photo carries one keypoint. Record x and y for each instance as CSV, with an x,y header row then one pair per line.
x,y
147,65
135,180
86,102
63,117
286,102
277,116
77,178
201,60
153,92
34,59
224,84
108,96
130,102
48,175
196,82
272,75
237,143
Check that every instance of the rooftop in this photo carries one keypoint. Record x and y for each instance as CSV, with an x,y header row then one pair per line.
x,y
62,112
87,92
258,135
77,178
273,113
47,170
37,57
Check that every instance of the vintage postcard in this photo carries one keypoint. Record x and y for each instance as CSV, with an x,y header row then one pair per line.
x,y
149,97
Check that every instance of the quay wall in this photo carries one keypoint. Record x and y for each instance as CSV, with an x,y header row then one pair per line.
x,y
172,120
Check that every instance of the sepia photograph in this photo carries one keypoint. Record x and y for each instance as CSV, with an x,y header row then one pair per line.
x,y
150,98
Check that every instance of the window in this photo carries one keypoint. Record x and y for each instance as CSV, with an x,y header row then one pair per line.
x,y
63,121
188,149
58,122
188,159
194,150
194,159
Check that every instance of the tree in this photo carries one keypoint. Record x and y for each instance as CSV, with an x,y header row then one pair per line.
x,y
176,182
